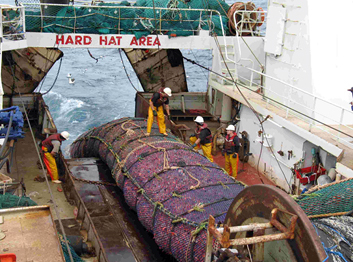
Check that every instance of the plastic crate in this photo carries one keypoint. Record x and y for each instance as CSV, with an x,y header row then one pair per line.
x,y
7,257
301,174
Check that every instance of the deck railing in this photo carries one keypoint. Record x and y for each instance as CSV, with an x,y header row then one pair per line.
x,y
12,23
335,116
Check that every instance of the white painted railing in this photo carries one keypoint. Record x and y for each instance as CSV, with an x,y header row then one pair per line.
x,y
310,118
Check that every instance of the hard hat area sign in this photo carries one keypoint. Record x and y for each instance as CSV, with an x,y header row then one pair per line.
x,y
106,40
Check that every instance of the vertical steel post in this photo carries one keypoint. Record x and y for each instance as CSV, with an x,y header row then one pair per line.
x,y
288,101
119,22
23,21
340,126
313,114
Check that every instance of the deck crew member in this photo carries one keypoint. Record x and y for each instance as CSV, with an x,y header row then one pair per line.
x,y
157,102
230,149
50,147
202,137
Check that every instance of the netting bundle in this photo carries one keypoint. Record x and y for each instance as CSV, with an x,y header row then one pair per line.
x,y
8,200
143,18
172,188
331,199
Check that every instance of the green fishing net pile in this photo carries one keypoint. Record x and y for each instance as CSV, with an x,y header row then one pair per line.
x,y
333,199
8,201
104,18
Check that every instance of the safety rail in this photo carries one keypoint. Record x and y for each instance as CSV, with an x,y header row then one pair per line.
x,y
312,118
246,23
289,104
100,19
12,23
48,125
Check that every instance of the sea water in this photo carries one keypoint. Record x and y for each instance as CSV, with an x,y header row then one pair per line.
x,y
102,91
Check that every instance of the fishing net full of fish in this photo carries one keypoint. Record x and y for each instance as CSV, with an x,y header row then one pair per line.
x,y
172,188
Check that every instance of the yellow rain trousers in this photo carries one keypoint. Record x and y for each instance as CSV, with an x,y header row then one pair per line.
x,y
50,163
231,163
160,120
206,148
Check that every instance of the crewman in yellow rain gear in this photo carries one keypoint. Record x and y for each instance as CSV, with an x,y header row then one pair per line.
x,y
50,148
157,102
230,150
202,137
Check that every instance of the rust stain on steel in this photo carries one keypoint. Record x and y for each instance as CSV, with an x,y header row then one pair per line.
x,y
258,201
256,240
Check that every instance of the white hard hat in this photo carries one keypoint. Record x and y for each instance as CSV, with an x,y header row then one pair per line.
x,y
230,128
199,119
65,135
168,91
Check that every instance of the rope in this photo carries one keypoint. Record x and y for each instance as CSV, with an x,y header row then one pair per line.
x,y
141,190
57,74
129,131
165,159
316,188
198,181
329,215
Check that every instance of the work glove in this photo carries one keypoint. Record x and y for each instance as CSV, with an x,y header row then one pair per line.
x,y
154,112
54,154
194,145
235,155
169,117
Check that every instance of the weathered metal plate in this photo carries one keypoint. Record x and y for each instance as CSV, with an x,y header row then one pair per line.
x,y
29,65
254,205
121,236
154,68
30,234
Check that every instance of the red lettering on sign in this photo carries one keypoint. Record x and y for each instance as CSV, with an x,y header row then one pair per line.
x,y
87,40
118,38
69,40
133,41
103,39
78,40
142,41
156,42
149,40
60,39
112,41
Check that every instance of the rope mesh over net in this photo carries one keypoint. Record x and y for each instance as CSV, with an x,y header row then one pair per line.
x,y
330,200
142,18
172,188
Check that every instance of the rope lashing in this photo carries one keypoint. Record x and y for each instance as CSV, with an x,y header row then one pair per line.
x,y
223,185
189,174
176,195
